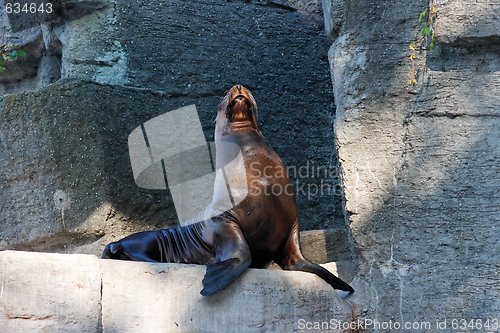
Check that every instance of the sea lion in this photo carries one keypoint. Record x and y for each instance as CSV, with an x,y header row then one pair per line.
x,y
260,229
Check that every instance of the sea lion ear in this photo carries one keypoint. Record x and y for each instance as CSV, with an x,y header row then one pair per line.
x,y
224,103
255,109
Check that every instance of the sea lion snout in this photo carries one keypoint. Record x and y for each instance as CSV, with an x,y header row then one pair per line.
x,y
239,92
239,108
240,96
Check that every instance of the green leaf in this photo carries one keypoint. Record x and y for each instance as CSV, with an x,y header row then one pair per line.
x,y
425,31
21,53
422,16
433,42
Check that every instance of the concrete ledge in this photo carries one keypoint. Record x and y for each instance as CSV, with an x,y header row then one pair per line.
x,y
42,292
64,293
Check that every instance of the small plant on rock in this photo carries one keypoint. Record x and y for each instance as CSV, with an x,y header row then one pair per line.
x,y
426,37
9,53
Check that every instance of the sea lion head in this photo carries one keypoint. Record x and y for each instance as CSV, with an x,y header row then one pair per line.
x,y
237,110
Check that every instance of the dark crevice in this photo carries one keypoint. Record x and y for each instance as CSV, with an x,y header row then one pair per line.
x,y
100,324
452,115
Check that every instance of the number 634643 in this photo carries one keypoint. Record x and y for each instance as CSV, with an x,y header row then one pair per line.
x,y
28,8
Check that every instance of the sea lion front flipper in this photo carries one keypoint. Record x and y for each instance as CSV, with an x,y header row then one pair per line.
x,y
293,260
232,256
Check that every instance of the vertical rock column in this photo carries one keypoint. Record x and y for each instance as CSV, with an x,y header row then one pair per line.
x,y
419,164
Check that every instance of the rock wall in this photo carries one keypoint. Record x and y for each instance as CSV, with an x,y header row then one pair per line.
x,y
66,177
419,164
104,67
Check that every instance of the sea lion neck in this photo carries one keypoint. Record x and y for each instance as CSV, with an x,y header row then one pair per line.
x,y
236,128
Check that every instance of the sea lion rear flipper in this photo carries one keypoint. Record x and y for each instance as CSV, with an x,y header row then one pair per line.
x,y
232,255
293,260
307,266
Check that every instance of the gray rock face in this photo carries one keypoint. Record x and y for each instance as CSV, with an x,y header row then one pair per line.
x,y
39,37
467,26
79,293
70,138
65,171
197,50
419,165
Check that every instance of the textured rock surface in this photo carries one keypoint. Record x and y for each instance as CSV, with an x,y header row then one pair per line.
x,y
322,246
469,24
79,293
419,164
50,44
65,170
192,53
